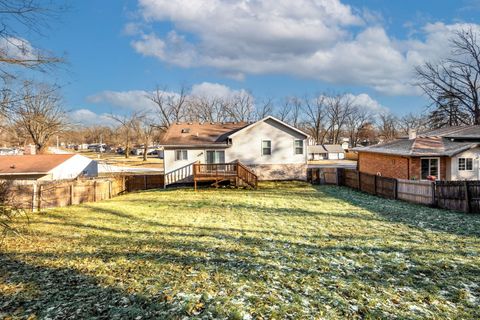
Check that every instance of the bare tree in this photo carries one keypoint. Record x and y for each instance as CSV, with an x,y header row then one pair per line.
x,y
208,109
39,114
127,124
145,129
17,19
242,107
339,107
315,114
263,108
457,78
357,123
283,113
387,127
412,121
171,108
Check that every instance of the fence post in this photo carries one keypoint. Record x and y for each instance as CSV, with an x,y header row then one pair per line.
x,y
39,198
34,196
375,184
145,181
434,195
71,194
95,191
395,189
340,174
467,198
358,180
109,189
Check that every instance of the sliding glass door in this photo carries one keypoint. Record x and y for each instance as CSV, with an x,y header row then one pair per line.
x,y
214,156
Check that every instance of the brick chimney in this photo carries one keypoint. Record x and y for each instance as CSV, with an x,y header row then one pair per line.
x,y
412,134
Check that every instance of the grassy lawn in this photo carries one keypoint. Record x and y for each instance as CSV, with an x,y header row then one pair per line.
x,y
286,251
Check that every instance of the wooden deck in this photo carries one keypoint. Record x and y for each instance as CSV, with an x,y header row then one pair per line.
x,y
235,173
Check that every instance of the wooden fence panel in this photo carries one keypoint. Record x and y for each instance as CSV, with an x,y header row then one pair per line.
x,y
351,178
451,195
421,192
474,196
330,175
367,183
53,195
23,196
144,182
386,187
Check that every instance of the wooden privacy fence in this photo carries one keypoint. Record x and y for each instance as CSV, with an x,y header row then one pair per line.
x,y
452,195
144,182
421,192
458,195
38,196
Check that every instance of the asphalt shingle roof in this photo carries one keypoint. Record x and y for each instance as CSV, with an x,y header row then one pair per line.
x,y
28,164
422,146
185,134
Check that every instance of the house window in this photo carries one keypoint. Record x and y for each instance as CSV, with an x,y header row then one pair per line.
x,y
215,157
465,164
181,155
266,147
298,146
430,168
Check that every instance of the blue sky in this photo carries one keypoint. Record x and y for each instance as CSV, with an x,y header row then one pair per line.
x,y
117,49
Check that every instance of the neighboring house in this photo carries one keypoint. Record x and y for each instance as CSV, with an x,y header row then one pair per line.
x,y
326,152
272,149
47,167
445,154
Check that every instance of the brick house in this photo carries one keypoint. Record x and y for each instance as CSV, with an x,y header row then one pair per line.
x,y
444,154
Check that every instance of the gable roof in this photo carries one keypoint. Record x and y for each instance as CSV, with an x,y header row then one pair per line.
x,y
316,149
31,164
275,120
421,146
334,148
197,133
211,134
325,148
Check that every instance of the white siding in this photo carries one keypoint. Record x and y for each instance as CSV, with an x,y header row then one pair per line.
x,y
247,145
455,174
193,155
74,167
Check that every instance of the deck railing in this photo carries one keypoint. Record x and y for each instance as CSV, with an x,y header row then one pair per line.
x,y
220,171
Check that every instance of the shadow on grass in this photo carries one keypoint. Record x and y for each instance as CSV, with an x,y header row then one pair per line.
x,y
413,215
353,268
62,293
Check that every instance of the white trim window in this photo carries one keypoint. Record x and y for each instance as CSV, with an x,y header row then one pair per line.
x,y
430,167
215,156
465,164
266,147
298,145
181,155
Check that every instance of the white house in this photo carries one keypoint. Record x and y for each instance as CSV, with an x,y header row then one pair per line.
x,y
47,167
326,152
272,149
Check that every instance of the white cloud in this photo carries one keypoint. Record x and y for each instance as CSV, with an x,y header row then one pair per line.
x,y
214,90
363,100
308,38
128,100
89,118
17,48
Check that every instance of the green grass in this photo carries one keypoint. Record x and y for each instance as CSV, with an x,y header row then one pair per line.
x,y
286,251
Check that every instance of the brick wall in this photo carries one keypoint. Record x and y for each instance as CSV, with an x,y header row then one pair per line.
x,y
387,165
395,166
